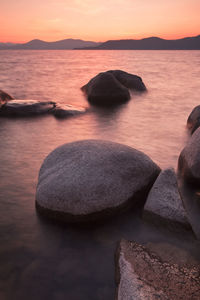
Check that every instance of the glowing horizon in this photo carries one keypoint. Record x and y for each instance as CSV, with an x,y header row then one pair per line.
x,y
94,20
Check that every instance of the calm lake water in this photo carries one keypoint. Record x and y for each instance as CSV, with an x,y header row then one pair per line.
x,y
40,260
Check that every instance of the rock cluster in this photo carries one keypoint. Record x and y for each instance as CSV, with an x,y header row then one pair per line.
x,y
112,87
26,108
92,179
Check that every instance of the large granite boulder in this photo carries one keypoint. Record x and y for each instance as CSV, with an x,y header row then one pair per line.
x,y
164,200
193,121
23,108
189,160
105,89
65,111
143,275
92,179
4,97
130,81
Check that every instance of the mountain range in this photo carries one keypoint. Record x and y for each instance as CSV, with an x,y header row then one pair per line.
x,y
42,45
151,43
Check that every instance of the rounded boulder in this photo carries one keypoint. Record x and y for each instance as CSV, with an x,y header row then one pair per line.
x,y
104,89
189,160
93,179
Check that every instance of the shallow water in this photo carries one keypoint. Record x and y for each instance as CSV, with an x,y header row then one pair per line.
x,y
48,261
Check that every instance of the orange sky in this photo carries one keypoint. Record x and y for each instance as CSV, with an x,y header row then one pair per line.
x,y
97,20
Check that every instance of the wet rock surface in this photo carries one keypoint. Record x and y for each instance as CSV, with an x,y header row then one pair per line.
x,y
64,111
189,160
193,121
142,274
24,108
104,89
165,201
91,179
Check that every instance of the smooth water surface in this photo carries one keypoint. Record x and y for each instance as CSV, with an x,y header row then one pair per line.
x,y
40,260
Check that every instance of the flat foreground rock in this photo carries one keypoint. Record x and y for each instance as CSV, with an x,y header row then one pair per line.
x,y
89,179
164,199
142,275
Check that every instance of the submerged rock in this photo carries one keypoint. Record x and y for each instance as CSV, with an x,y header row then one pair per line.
x,y
4,97
142,275
164,199
19,108
130,81
189,160
64,111
105,89
193,121
91,179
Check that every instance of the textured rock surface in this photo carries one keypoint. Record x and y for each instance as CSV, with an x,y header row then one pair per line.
x,y
189,160
164,199
64,111
142,275
193,121
130,81
4,97
105,89
26,108
88,179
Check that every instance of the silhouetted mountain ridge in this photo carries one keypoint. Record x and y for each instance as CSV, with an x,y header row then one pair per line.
x,y
151,43
37,44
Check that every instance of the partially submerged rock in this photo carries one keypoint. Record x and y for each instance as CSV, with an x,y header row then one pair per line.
x,y
26,108
4,97
193,121
189,160
64,111
105,89
130,81
164,200
142,275
93,179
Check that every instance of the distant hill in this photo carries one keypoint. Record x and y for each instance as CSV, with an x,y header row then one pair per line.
x,y
151,43
42,45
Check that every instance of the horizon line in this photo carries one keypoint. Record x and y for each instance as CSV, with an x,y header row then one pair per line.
x,y
114,39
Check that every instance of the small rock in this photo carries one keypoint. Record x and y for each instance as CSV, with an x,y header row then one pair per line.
x,y
64,111
164,199
91,179
4,97
142,275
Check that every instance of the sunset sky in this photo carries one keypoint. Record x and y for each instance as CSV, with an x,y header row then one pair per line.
x,y
97,20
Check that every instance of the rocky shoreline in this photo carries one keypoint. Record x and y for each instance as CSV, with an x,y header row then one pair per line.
x,y
93,180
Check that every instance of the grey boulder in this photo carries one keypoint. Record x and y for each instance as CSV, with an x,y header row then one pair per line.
x,y
189,160
23,108
193,121
143,275
104,89
164,199
92,179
